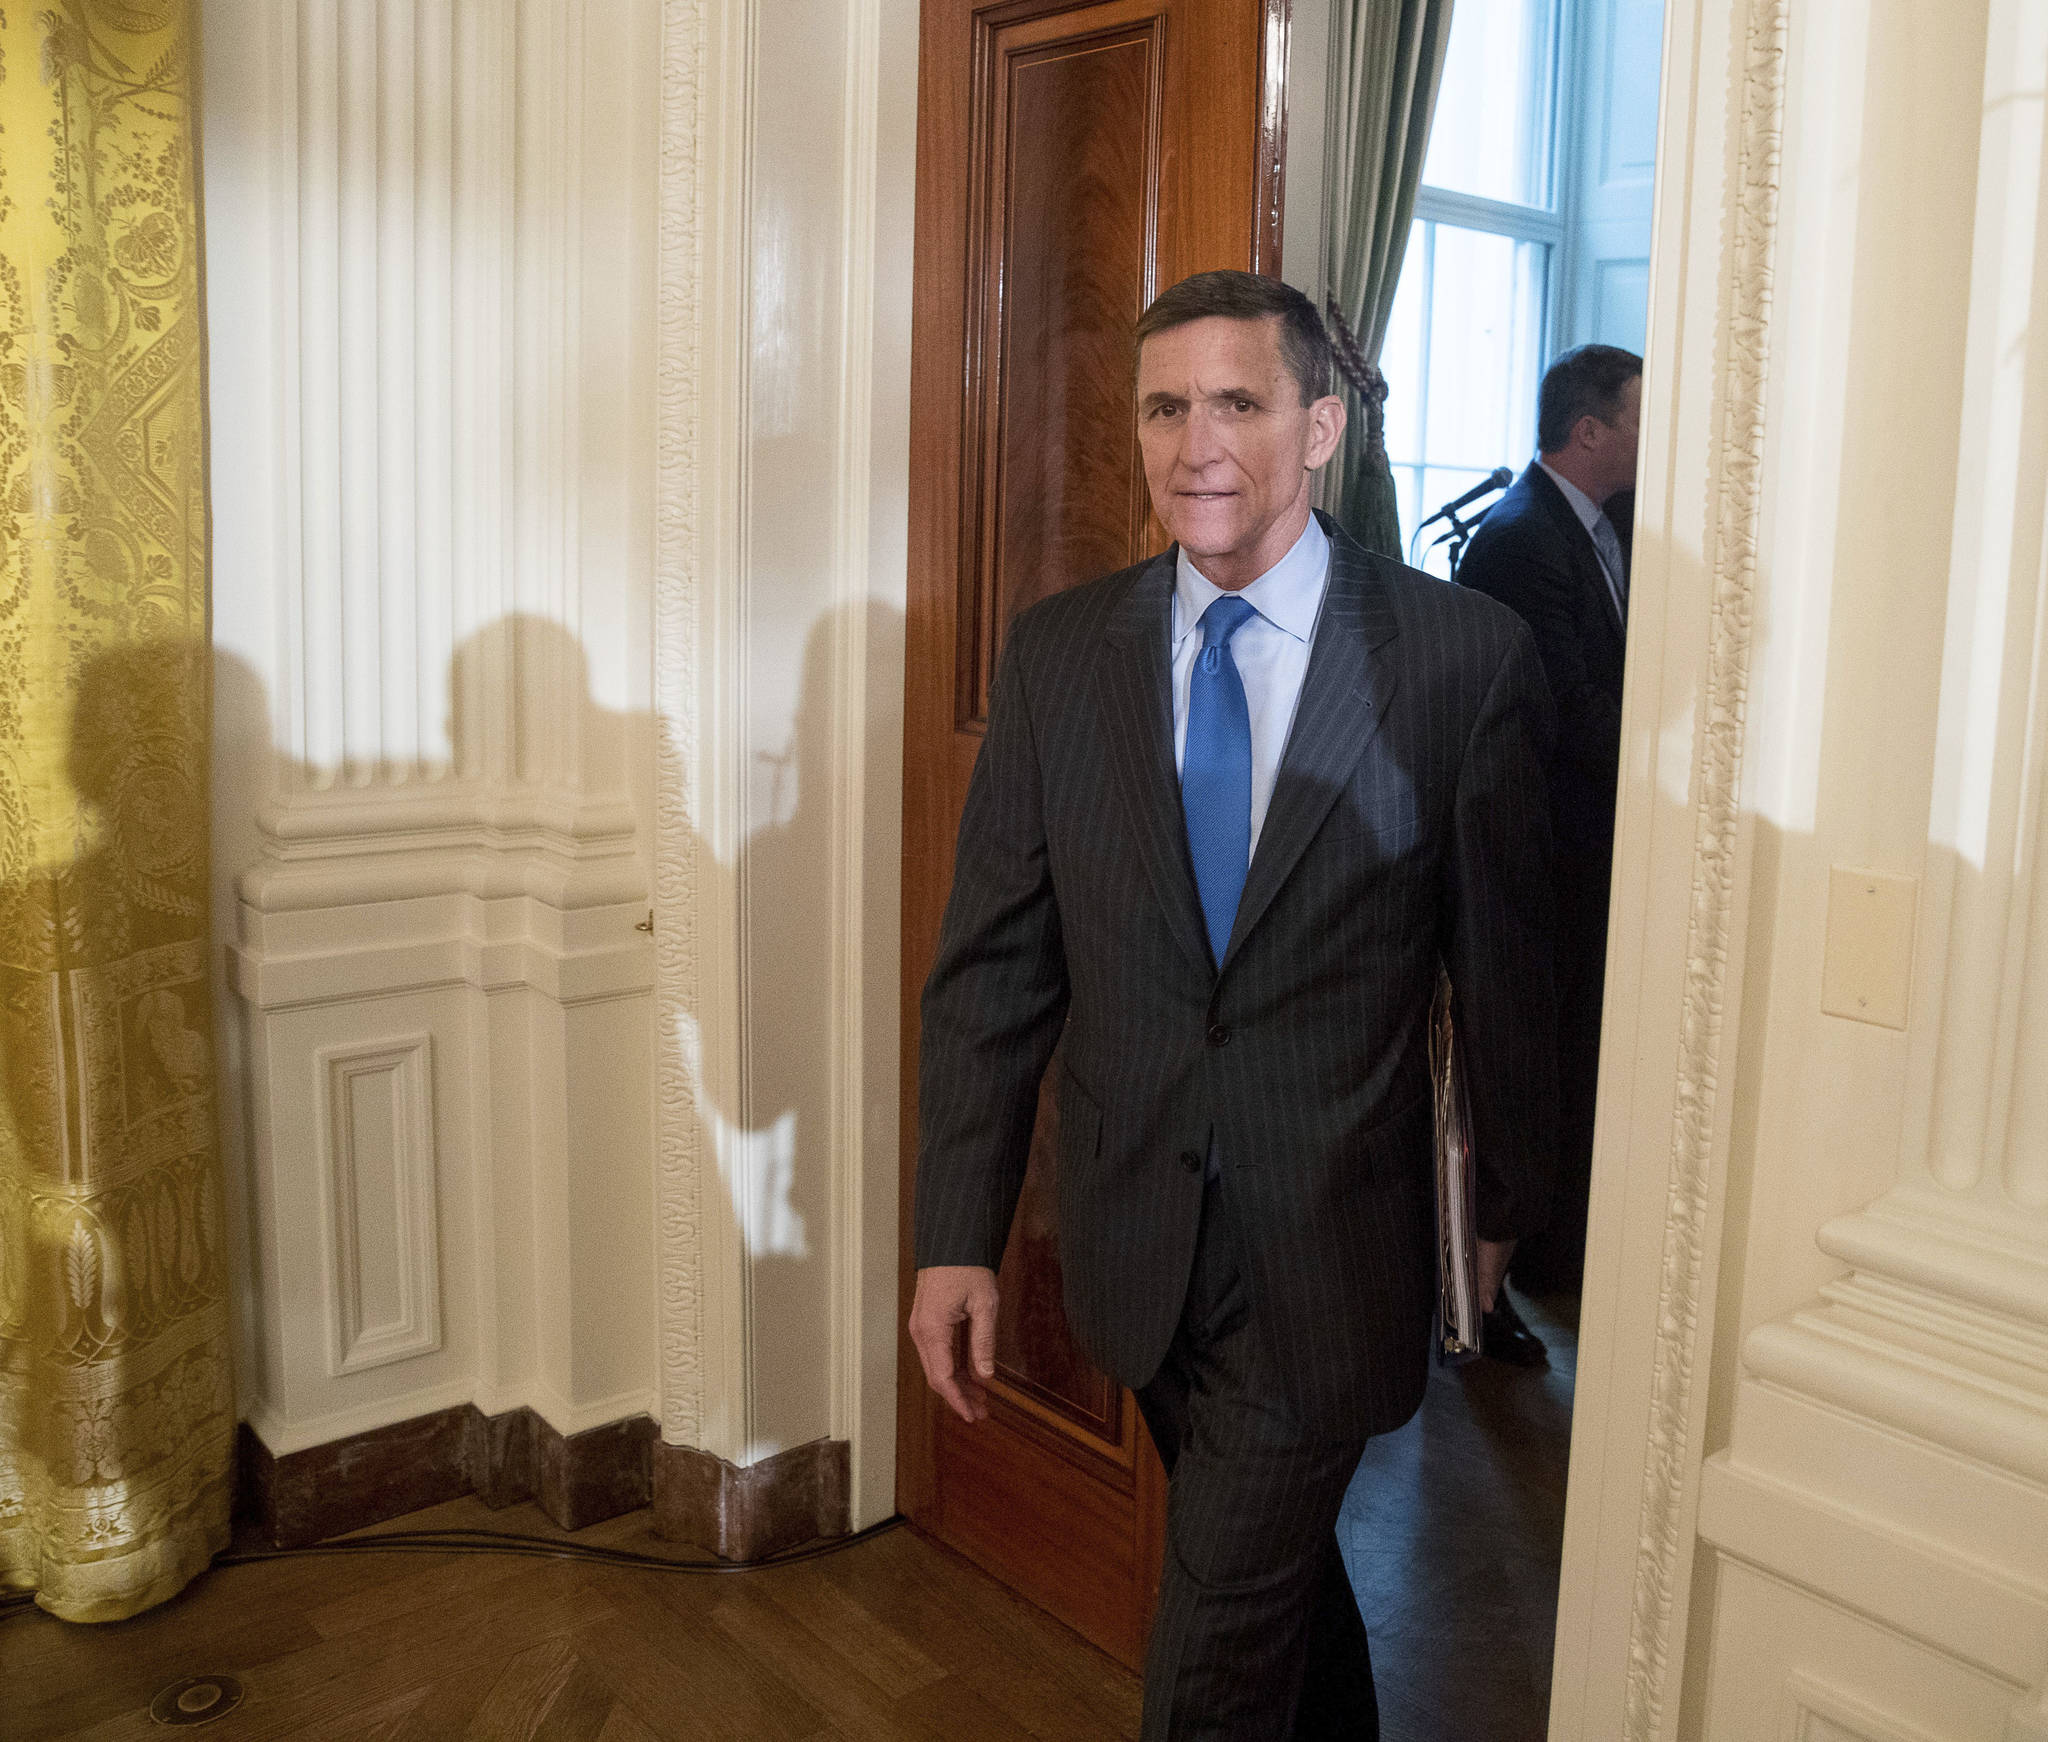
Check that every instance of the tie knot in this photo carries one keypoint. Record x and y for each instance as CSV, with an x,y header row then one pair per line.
x,y
1224,618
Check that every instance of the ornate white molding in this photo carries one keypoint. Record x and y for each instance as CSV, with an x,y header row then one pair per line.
x,y
849,1085
1699,1116
1940,1331
340,849
403,1067
678,665
727,613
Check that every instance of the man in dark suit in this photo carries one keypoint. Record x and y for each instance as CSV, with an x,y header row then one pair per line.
x,y
1550,552
1233,807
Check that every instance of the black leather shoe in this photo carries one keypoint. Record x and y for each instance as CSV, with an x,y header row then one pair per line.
x,y
1504,1337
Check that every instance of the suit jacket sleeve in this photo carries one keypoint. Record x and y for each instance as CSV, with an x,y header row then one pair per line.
x,y
1498,942
996,999
1534,578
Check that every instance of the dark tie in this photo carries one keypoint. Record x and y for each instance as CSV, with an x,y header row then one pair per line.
x,y
1608,544
1216,771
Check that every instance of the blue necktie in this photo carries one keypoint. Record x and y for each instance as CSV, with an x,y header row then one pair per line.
x,y
1216,771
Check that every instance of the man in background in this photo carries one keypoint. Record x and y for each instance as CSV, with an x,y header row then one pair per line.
x,y
1549,552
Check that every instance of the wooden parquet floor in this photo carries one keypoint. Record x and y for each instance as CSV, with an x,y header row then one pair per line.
x,y
1451,1530
893,1638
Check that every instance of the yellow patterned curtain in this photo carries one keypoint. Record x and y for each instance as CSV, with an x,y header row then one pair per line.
x,y
116,1403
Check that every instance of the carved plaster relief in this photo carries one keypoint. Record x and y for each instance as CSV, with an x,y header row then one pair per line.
x,y
1736,492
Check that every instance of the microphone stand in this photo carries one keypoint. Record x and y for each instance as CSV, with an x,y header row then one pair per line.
x,y
1457,536
1460,531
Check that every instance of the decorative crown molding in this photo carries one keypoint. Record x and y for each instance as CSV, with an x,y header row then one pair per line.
x,y
1736,491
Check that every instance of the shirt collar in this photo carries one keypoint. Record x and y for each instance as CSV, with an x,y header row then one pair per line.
x,y
1289,595
1583,505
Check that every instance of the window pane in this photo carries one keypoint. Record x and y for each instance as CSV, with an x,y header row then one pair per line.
x,y
1484,325
1463,369
1491,132
1471,353
1401,350
1408,489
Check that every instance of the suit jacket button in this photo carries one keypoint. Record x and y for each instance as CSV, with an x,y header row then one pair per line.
x,y
1219,1034
1191,1161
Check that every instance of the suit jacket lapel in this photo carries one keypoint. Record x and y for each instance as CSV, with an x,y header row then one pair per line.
x,y
1135,680
1592,571
1344,697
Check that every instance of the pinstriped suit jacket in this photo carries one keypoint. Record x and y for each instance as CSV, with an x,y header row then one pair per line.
x,y
1408,823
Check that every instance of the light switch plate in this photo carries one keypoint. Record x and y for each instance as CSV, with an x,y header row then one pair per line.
x,y
1867,973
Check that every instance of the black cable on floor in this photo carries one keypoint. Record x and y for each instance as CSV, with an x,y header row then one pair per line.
x,y
548,1548
513,1542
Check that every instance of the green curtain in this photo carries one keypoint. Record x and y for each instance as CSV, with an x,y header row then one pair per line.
x,y
116,1401
1386,62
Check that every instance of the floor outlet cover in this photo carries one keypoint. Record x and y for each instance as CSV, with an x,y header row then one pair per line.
x,y
198,1699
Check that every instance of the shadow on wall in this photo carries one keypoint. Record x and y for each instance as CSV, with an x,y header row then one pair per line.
x,y
766,1104
521,720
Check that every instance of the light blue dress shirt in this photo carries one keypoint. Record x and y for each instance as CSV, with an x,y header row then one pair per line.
x,y
1271,651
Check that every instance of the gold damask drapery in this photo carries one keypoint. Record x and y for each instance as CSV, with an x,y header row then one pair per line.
x,y
116,1405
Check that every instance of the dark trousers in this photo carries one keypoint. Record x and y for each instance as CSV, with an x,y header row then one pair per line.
x,y
1257,1633
1552,1260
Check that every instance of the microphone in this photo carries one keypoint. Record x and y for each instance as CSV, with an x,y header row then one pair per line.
x,y
1498,479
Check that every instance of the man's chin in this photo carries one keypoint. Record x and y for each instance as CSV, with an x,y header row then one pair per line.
x,y
1209,534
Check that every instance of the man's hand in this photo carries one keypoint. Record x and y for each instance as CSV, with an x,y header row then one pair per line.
x,y
1493,1269
949,1295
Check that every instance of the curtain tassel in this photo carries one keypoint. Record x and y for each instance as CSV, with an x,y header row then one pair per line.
x,y
1365,380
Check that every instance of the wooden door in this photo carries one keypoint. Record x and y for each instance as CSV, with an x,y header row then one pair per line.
x,y
1074,157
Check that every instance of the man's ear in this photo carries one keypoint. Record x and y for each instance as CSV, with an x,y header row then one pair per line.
x,y
1326,418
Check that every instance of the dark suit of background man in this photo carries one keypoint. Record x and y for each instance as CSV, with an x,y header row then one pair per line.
x,y
1549,552
1233,805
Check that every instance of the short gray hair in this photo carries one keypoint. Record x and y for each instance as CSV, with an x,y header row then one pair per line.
x,y
1246,296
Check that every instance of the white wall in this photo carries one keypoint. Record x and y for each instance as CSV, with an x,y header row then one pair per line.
x,y
783,300
1875,1507
1809,1490
429,282
465,262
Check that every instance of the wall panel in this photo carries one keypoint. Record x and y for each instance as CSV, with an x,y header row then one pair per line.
x,y
430,243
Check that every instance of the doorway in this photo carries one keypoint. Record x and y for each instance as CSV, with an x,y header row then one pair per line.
x,y
1023,258
1075,156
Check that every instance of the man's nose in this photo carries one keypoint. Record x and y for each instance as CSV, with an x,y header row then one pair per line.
x,y
1199,444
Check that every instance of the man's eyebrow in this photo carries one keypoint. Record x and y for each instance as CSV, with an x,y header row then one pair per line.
x,y
1151,400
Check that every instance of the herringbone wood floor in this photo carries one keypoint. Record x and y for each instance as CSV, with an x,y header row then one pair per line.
x,y
1452,1531
894,1638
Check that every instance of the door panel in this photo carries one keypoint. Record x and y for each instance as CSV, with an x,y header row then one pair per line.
x,y
1058,492
1611,165
1072,159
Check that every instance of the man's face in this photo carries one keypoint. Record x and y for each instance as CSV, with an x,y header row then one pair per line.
x,y
1616,442
1228,444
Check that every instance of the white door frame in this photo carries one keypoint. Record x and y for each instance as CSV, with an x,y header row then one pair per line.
x,y
1682,854
1681,862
